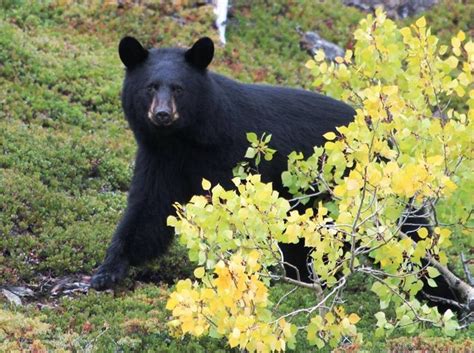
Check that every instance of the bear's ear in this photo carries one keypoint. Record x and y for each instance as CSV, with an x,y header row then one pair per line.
x,y
201,53
131,52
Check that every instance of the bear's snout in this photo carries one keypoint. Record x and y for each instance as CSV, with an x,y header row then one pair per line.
x,y
162,112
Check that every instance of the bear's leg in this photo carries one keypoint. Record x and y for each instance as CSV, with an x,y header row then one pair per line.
x,y
116,263
141,235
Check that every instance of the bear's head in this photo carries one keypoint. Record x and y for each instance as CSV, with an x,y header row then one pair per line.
x,y
164,87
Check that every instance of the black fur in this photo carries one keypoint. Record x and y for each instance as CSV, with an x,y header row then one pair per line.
x,y
207,141
131,52
201,53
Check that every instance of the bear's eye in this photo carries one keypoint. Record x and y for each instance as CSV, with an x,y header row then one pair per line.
x,y
153,87
177,90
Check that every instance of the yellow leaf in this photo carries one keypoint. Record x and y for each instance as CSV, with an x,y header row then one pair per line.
x,y
339,190
171,221
448,184
234,338
380,15
323,67
444,232
310,64
319,55
199,330
183,285
373,175
292,232
461,36
452,62
330,318
406,244
339,59
344,218
206,184
423,233
390,90
460,91
457,51
390,168
322,211
406,32
252,260
236,181
171,304
455,42
348,55
354,318
199,272
435,160
469,48
421,22
353,184
329,136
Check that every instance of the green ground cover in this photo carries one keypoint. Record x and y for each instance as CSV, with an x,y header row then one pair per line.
x,y
66,154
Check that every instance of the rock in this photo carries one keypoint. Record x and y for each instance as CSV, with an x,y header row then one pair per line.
x,y
394,8
11,297
21,291
312,42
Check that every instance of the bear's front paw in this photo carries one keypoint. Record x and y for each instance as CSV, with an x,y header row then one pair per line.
x,y
108,276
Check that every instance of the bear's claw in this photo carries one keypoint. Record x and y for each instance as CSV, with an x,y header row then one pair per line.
x,y
108,277
103,281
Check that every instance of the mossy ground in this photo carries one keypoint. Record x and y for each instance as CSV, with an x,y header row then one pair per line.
x,y
66,152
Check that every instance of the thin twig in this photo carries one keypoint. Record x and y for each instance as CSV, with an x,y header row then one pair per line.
x,y
310,310
284,296
451,302
402,298
307,196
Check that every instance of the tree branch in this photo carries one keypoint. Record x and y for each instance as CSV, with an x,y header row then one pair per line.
x,y
465,267
437,299
454,282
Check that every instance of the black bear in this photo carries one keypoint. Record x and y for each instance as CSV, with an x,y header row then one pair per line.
x,y
189,124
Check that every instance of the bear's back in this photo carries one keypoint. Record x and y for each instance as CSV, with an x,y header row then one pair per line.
x,y
297,119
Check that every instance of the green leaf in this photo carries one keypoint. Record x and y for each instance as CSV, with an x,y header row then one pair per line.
x,y
380,316
432,272
252,137
267,138
199,272
206,184
251,152
329,136
405,320
287,178
450,327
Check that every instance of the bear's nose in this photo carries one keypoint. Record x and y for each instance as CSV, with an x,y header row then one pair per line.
x,y
162,116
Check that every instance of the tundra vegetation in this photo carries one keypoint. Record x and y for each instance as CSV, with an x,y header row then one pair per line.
x,y
66,166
